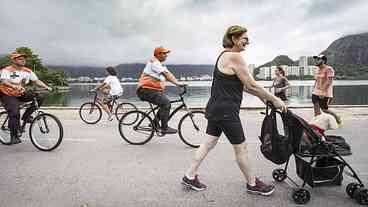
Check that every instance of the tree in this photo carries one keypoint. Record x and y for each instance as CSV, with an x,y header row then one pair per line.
x,y
34,62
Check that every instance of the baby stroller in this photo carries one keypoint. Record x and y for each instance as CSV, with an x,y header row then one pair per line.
x,y
318,161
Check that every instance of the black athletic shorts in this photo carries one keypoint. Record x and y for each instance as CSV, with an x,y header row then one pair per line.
x,y
323,102
232,129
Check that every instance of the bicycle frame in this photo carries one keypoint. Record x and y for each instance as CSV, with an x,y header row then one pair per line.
x,y
24,123
176,109
98,101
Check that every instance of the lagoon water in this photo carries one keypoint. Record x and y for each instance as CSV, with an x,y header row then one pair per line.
x,y
345,93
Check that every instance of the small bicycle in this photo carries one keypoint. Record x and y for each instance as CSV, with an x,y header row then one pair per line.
x,y
91,112
138,127
45,130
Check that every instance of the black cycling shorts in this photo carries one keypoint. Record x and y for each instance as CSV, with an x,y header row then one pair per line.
x,y
232,129
323,102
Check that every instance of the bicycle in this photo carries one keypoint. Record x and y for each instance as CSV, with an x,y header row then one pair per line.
x,y
45,130
91,112
142,123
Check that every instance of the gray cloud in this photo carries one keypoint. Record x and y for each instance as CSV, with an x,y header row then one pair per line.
x,y
118,31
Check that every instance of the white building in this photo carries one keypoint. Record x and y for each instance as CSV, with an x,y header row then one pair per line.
x,y
264,73
84,79
97,79
272,74
303,65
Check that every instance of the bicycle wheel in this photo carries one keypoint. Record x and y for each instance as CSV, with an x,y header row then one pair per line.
x,y
90,113
192,128
123,108
4,129
46,132
136,127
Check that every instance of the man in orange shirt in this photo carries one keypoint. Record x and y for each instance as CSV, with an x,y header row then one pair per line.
x,y
152,85
323,89
12,92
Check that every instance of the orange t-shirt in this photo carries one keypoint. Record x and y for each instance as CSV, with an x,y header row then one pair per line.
x,y
322,76
146,81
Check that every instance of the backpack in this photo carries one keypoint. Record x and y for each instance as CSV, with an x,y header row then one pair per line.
x,y
274,146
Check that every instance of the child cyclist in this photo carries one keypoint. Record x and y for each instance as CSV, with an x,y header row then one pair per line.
x,y
111,88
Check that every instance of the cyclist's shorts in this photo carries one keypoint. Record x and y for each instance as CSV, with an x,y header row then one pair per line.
x,y
109,98
232,129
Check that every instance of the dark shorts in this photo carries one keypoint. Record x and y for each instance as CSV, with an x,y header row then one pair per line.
x,y
232,129
323,102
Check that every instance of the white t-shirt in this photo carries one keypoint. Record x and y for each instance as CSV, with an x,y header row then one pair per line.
x,y
16,76
325,121
155,68
114,84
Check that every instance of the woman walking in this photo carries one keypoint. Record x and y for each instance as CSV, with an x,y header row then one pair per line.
x,y
231,77
280,83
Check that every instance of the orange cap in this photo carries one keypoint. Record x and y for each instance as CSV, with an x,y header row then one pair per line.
x,y
159,50
15,55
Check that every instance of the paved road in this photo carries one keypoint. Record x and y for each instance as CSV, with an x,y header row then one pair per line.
x,y
95,167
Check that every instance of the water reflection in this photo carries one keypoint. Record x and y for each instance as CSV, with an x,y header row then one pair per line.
x,y
198,95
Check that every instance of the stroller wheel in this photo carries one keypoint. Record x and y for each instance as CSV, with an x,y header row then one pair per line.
x,y
279,174
351,188
301,196
361,196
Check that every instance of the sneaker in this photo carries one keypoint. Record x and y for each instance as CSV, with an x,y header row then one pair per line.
x,y
15,140
194,184
169,130
260,188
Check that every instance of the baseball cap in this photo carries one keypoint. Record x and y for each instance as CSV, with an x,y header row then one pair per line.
x,y
159,50
15,55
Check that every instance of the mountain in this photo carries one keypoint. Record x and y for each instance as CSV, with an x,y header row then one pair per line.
x,y
133,70
348,55
279,60
351,49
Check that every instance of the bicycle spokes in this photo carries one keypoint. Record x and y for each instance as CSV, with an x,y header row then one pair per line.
x,y
192,128
136,127
46,132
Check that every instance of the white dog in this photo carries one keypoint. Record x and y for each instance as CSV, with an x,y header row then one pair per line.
x,y
320,124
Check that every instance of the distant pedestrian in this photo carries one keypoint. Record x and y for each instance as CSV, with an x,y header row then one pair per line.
x,y
323,88
231,78
280,83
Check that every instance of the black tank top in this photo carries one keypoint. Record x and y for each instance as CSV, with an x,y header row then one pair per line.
x,y
226,96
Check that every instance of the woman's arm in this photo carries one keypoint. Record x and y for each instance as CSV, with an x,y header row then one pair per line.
x,y
287,84
240,68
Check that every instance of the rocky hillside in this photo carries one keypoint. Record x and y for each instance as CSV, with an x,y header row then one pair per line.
x,y
351,49
279,60
348,55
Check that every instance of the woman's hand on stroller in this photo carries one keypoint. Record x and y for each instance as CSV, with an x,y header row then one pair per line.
x,y
278,103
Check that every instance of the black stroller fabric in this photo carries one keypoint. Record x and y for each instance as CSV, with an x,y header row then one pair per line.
x,y
315,159
275,147
324,171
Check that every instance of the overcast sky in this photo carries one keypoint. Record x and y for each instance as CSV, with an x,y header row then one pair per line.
x,y
103,32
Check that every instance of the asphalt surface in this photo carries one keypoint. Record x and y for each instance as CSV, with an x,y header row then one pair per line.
x,y
95,167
